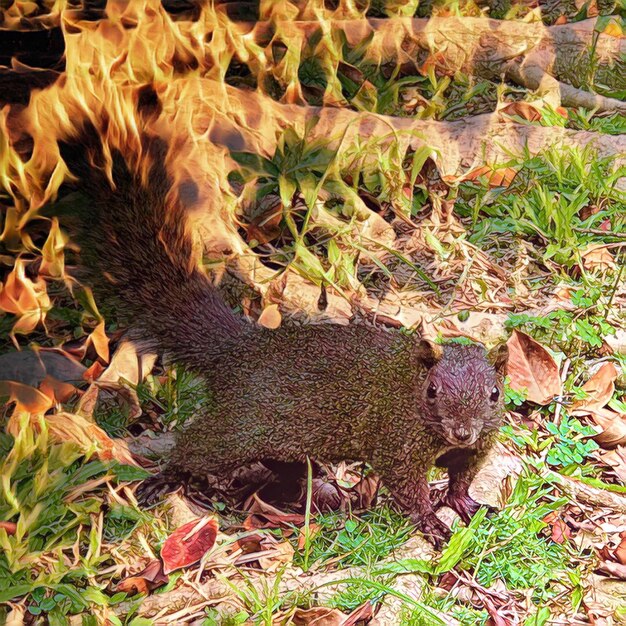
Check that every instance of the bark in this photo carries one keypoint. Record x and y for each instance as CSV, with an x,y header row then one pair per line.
x,y
482,47
492,49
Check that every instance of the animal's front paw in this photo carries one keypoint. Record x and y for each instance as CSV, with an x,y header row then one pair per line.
x,y
463,504
433,528
154,489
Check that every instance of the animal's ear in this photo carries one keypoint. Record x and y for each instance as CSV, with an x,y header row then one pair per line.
x,y
429,353
499,357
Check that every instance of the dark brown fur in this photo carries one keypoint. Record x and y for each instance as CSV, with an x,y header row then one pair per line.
x,y
326,392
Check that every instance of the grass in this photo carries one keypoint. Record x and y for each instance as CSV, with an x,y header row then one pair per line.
x,y
359,541
511,548
77,529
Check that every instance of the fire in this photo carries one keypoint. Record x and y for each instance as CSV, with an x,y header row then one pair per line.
x,y
139,71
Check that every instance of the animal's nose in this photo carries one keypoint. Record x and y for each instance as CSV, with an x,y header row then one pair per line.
x,y
462,434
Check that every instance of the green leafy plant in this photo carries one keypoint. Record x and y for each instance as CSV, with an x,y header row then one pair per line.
x,y
571,443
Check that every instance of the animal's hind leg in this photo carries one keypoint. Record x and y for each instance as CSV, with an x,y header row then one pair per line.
x,y
197,455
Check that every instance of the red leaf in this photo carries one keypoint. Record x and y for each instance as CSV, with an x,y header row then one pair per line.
x,y
188,544
620,551
560,531
10,527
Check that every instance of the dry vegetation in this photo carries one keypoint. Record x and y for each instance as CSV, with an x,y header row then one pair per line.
x,y
453,167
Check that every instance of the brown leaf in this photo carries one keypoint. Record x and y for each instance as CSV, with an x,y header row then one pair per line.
x,y
270,317
99,340
620,551
26,299
9,527
613,427
496,177
128,363
319,616
56,389
597,256
366,491
94,371
188,544
531,367
561,532
314,529
437,62
524,110
26,398
276,556
617,460
599,388
361,613
151,577
325,496
264,515
616,570
64,427
265,227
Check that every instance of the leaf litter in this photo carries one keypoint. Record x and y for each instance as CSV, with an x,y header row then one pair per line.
x,y
435,237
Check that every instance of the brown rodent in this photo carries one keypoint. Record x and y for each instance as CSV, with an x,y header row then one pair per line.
x,y
326,392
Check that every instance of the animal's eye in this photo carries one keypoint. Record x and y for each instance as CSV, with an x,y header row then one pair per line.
x,y
495,394
431,391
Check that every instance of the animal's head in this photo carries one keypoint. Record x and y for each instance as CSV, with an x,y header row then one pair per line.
x,y
462,394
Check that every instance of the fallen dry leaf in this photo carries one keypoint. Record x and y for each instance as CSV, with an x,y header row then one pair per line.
x,y
26,398
93,372
620,552
276,557
128,363
495,176
599,389
614,29
318,616
560,531
188,544
525,110
613,427
265,227
324,496
52,256
264,515
64,427
56,390
597,256
26,299
9,527
99,340
314,529
616,570
270,317
322,616
617,460
531,367
151,577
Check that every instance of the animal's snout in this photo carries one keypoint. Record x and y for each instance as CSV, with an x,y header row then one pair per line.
x,y
462,434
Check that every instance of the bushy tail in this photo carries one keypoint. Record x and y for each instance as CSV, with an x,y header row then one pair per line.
x,y
137,253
